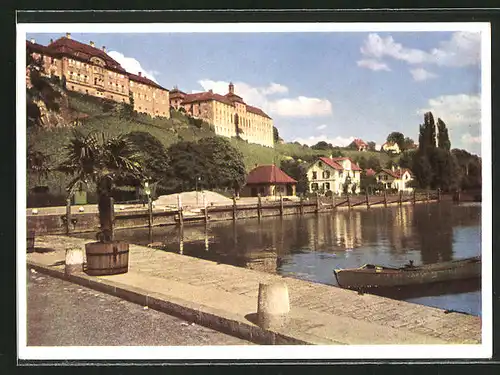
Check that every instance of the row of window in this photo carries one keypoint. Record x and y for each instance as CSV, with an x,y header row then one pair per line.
x,y
326,175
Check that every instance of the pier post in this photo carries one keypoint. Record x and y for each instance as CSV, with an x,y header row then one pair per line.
x,y
385,198
234,208
179,210
68,214
367,200
427,195
302,204
259,206
333,201
439,195
317,202
281,205
400,197
414,196
205,208
348,201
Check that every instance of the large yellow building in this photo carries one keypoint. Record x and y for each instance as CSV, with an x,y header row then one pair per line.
x,y
90,70
229,115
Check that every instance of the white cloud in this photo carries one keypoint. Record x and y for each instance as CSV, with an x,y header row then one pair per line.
x,y
321,127
373,65
456,110
468,139
420,74
464,48
337,141
301,107
259,96
133,65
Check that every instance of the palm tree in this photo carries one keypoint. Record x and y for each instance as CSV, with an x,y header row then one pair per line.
x,y
95,158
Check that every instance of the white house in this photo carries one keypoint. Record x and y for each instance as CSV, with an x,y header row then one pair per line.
x,y
390,147
331,174
398,179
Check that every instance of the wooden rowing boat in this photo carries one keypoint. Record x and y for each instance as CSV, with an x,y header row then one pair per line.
x,y
369,275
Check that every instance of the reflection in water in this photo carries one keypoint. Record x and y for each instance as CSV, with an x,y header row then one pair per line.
x,y
311,246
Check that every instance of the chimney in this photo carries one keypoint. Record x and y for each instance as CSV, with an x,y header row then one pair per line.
x,y
92,44
104,48
140,74
32,40
211,91
68,35
231,88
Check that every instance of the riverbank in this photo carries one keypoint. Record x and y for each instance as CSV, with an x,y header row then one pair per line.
x,y
224,297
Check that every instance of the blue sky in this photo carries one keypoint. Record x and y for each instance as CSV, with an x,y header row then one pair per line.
x,y
331,86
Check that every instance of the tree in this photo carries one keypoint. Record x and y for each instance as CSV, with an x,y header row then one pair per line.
x,y
408,144
297,171
362,162
371,146
322,145
38,163
225,165
443,137
187,164
352,146
276,134
374,163
396,137
427,136
406,159
93,158
422,170
368,183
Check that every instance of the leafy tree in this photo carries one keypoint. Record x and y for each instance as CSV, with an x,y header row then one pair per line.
x,y
443,137
408,144
427,136
406,159
345,186
38,163
371,146
226,168
93,158
446,171
398,138
187,164
368,183
297,171
374,163
422,170
322,145
362,162
276,134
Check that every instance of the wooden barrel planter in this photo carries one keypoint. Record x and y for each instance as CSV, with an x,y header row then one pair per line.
x,y
106,258
30,241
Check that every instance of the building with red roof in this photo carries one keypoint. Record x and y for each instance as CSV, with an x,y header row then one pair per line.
x,y
90,70
229,115
360,144
269,180
397,179
335,175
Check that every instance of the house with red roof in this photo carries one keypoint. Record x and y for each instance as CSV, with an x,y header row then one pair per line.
x,y
390,147
89,70
229,115
360,144
397,179
268,180
335,175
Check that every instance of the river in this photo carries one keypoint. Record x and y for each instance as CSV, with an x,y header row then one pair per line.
x,y
309,247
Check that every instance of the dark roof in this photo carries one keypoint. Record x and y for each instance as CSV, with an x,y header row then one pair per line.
x,y
265,174
144,80
257,111
35,47
331,163
82,51
176,93
234,98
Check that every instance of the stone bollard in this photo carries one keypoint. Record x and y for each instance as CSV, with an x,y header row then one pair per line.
x,y
273,305
74,261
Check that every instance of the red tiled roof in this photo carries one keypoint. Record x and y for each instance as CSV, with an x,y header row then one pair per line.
x,y
82,51
176,93
206,96
354,166
331,163
257,111
398,173
234,98
359,142
144,80
269,174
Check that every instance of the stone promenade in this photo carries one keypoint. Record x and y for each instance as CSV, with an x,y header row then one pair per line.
x,y
224,297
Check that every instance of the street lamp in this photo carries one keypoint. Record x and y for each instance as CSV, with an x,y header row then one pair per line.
x,y
198,178
147,190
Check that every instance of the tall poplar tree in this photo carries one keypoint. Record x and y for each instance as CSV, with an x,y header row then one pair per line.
x,y
443,137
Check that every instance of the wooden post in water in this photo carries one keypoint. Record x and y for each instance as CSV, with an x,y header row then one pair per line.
x,y
317,202
333,201
400,197
427,195
439,195
302,204
414,196
367,200
385,198
281,205
68,214
234,208
179,210
205,208
259,206
348,200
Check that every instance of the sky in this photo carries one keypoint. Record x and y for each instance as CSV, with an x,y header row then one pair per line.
x,y
321,86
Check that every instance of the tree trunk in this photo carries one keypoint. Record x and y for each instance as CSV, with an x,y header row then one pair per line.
x,y
106,218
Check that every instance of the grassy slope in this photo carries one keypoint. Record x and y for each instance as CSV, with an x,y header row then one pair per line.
x,y
168,131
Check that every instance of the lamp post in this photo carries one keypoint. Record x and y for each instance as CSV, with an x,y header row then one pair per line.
x,y
147,190
198,178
